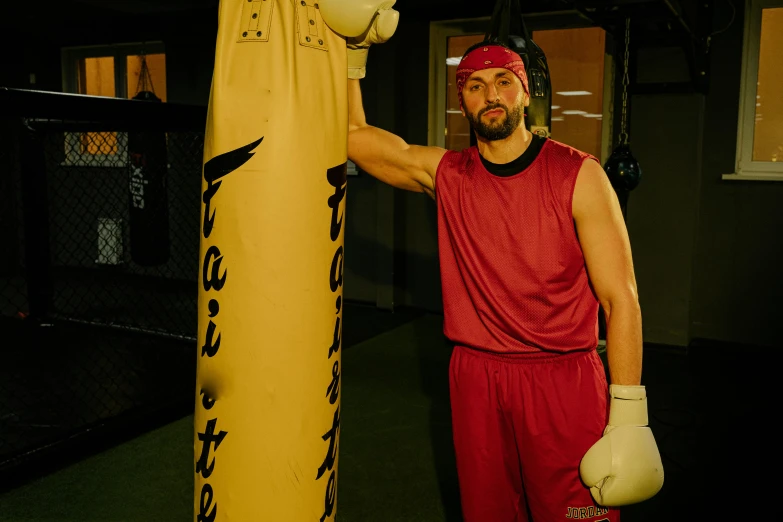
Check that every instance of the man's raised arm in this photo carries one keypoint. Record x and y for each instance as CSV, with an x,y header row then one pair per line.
x,y
379,153
386,156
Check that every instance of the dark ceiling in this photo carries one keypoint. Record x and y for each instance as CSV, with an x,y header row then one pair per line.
x,y
680,23
42,13
146,6
27,15
686,24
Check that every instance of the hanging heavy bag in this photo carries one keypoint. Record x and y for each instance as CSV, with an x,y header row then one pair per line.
x,y
149,213
273,218
508,28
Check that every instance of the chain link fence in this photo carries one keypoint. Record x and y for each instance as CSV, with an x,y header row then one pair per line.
x,y
100,208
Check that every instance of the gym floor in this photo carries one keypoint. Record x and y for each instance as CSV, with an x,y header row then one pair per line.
x,y
711,409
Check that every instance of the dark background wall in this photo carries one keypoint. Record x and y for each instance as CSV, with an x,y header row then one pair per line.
x,y
737,288
707,251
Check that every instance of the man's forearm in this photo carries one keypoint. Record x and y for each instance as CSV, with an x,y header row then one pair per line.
x,y
624,342
356,117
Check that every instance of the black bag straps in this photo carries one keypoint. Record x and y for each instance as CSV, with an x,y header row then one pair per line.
x,y
506,21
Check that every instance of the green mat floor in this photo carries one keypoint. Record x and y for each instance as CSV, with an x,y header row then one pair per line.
x,y
396,454
396,458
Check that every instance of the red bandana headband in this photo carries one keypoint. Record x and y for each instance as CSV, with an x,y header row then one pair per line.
x,y
488,57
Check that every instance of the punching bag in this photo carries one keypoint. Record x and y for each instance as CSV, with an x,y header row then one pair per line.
x,y
267,416
624,173
508,28
149,209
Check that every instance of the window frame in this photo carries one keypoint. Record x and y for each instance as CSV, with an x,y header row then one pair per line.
x,y
440,31
70,57
745,168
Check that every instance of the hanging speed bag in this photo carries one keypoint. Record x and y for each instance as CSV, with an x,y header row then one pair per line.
x,y
148,198
267,416
623,168
507,26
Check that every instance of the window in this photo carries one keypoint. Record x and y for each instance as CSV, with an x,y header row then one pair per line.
x,y
112,71
760,128
580,72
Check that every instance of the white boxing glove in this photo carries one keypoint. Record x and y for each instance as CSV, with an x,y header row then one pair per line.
x,y
624,466
362,23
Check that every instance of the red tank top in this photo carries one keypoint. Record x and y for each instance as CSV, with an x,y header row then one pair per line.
x,y
512,271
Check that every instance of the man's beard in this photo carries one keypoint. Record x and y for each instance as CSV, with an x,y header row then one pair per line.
x,y
497,130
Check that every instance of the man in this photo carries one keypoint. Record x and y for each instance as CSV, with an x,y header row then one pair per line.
x,y
531,240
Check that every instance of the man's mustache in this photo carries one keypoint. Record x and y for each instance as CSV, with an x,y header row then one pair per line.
x,y
492,107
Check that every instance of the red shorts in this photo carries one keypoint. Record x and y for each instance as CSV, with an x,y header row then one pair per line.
x,y
521,427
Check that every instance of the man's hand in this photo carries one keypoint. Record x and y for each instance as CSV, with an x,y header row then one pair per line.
x,y
624,466
362,23
382,28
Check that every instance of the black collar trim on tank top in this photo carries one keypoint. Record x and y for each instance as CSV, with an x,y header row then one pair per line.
x,y
519,164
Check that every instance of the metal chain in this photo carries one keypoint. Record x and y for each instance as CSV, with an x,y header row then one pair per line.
x,y
145,77
626,81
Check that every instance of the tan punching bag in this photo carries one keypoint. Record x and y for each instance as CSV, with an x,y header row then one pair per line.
x,y
271,260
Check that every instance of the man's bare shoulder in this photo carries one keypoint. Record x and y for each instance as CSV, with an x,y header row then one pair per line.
x,y
592,192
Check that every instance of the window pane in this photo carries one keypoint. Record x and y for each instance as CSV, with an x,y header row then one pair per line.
x,y
576,65
768,134
576,69
156,64
96,76
99,143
